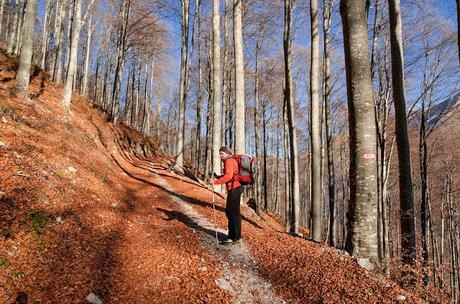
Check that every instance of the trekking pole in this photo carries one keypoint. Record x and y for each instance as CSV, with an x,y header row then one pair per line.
x,y
214,215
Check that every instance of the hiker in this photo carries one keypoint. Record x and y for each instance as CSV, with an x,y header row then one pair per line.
x,y
235,189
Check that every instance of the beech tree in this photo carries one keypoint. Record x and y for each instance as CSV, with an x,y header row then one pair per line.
x,y
182,93
23,74
289,101
216,88
315,121
240,136
406,197
362,235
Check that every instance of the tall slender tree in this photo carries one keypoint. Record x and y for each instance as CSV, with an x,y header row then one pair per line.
x,y
216,87
315,121
406,196
257,117
120,60
327,17
199,102
73,57
362,234
45,36
89,34
182,93
240,137
13,30
289,101
23,74
2,10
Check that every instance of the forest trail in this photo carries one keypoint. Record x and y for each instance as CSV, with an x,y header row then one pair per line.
x,y
100,216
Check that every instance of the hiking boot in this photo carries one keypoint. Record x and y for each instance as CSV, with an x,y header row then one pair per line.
x,y
226,242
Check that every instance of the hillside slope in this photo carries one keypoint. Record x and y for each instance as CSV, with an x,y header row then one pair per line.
x,y
89,209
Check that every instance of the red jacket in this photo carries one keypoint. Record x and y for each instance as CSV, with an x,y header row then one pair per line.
x,y
230,174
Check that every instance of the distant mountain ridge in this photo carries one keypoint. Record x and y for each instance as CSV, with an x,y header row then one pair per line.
x,y
438,111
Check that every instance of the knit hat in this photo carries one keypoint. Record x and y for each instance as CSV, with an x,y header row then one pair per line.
x,y
225,149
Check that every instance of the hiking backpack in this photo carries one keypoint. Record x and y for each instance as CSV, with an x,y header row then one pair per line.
x,y
246,169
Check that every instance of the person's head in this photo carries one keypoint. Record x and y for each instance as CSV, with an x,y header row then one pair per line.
x,y
224,152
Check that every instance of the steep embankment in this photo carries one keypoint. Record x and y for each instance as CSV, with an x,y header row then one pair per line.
x,y
92,209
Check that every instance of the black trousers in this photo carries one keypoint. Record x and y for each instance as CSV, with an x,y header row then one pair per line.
x,y
233,213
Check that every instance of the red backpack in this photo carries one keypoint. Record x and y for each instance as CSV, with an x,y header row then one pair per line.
x,y
246,169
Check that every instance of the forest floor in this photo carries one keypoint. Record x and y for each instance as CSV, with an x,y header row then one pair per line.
x,y
91,212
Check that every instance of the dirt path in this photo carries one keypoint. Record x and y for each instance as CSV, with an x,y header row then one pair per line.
x,y
239,270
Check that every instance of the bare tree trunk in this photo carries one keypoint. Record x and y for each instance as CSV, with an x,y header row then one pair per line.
x,y
44,36
19,27
119,68
226,78
2,9
158,110
199,91
264,138
58,33
138,94
89,33
128,99
68,39
257,122
73,57
287,179
216,89
362,241
294,217
182,92
423,164
316,210
327,12
13,29
209,113
406,197
61,47
277,168
23,74
148,99
240,135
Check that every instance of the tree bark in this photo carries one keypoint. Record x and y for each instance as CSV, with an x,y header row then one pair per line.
x,y
289,100
121,53
58,25
182,92
216,88
226,63
316,210
89,33
257,124
406,197
2,9
44,36
12,37
73,58
199,102
240,136
19,27
287,185
327,13
362,241
23,74
148,99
